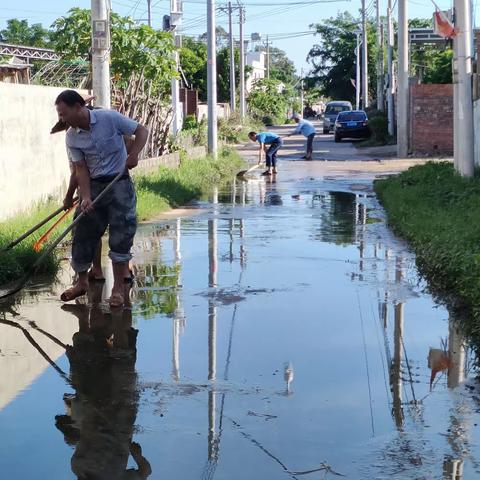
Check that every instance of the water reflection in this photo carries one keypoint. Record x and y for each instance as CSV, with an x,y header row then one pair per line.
x,y
339,216
172,284
100,415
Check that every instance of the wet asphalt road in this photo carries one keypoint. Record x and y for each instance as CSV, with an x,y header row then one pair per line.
x,y
282,332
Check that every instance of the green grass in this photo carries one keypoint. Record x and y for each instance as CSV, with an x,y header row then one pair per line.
x,y
14,262
169,188
438,212
156,193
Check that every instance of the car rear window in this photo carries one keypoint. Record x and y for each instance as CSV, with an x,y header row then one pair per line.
x,y
337,108
352,117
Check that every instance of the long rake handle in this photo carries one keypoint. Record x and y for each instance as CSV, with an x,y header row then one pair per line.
x,y
33,229
54,244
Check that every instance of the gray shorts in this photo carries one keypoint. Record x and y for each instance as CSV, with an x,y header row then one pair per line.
x,y
117,211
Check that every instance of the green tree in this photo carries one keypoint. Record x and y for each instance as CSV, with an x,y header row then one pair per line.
x,y
333,59
439,67
432,63
281,67
19,32
193,60
268,100
134,48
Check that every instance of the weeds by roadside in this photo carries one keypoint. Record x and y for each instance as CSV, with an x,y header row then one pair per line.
x,y
437,211
156,192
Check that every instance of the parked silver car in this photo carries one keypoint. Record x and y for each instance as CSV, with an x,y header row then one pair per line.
x,y
331,112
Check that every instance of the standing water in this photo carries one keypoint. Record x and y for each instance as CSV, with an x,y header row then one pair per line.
x,y
281,332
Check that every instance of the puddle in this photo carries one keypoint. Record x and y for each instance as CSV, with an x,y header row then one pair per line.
x,y
283,332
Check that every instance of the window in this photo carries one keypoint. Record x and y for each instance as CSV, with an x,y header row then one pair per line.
x,y
352,117
337,108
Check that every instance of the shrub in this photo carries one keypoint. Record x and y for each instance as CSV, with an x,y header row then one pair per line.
x,y
379,127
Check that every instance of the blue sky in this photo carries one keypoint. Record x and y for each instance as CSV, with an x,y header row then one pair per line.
x,y
276,17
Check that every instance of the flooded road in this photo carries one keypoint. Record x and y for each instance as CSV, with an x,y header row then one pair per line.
x,y
283,332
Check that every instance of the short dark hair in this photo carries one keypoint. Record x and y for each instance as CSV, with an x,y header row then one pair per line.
x,y
70,98
252,133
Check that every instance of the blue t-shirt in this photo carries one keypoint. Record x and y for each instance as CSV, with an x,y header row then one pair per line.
x,y
267,137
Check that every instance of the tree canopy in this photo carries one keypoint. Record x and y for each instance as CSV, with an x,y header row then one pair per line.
x,y
134,48
333,59
19,32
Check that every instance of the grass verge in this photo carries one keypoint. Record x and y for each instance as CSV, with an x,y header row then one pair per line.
x,y
437,211
156,193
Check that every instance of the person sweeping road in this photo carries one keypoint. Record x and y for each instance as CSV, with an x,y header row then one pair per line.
x,y
270,143
307,129
96,147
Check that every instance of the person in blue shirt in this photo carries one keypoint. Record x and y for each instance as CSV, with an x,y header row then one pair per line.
x,y
270,143
307,129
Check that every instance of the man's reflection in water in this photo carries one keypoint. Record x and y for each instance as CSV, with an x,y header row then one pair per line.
x,y
101,413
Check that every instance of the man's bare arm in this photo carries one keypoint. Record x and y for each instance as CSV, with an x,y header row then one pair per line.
x,y
260,153
83,179
141,137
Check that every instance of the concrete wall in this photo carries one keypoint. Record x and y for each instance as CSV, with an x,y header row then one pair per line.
x,y
33,163
223,111
171,160
431,118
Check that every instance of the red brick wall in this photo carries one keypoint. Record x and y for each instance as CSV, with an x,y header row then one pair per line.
x,y
431,118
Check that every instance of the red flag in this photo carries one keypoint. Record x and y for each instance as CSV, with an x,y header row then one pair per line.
x,y
443,26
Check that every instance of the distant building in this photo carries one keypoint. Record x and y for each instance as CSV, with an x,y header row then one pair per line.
x,y
257,62
14,70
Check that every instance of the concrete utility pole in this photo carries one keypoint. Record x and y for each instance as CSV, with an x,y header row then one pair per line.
x,y
380,101
243,109
175,21
463,154
403,87
232,59
149,12
100,53
391,79
358,80
268,58
211,78
302,100
364,57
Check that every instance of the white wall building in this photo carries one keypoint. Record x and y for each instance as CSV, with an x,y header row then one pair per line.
x,y
256,60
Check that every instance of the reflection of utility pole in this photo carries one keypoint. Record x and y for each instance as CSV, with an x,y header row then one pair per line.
x,y
212,246
178,319
453,465
396,366
212,332
456,354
